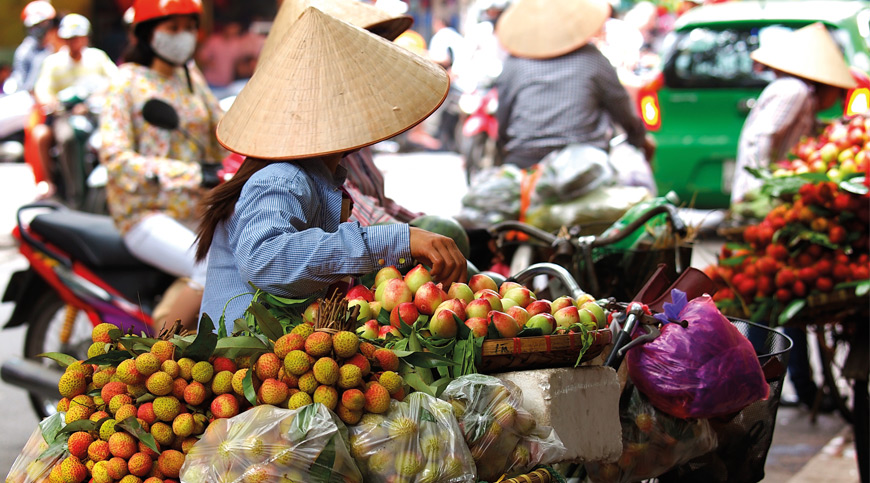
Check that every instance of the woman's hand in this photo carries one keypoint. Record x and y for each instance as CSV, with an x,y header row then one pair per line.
x,y
439,252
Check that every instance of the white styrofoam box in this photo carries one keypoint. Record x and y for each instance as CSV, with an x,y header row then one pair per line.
x,y
582,404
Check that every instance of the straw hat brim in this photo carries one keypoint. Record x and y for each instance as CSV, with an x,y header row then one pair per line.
x,y
330,87
543,29
354,12
810,53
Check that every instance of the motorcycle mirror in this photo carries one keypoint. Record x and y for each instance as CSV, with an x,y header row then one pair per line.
x,y
160,114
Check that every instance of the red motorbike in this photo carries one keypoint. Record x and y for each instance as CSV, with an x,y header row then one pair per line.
x,y
479,130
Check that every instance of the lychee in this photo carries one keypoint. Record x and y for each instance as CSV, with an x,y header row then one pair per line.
x,y
72,470
182,425
307,382
147,363
122,445
377,399
195,393
100,472
296,363
169,463
408,463
162,433
202,372
326,395
238,381
179,384
345,344
221,364
112,389
72,383
288,343
348,416
360,361
272,391
391,381
128,374
164,350
386,359
98,450
318,344
117,466
125,411
267,366
185,368
353,399
96,349
166,408
326,371
139,464
303,329
222,383
107,429
100,333
299,400
159,383
225,406
78,443
77,413
349,376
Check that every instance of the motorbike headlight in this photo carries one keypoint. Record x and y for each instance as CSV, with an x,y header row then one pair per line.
x,y
468,103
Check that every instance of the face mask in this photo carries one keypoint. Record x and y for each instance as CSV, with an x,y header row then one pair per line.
x,y
38,31
175,48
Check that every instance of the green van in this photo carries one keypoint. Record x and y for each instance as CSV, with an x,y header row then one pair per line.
x,y
696,106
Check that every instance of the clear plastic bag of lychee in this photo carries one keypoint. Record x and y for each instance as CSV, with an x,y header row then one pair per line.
x,y
416,441
272,444
653,442
504,438
28,467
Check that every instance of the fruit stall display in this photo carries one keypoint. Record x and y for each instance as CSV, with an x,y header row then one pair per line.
x,y
138,407
813,242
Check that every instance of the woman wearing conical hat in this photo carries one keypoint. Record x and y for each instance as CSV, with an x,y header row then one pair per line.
x,y
327,89
811,75
556,88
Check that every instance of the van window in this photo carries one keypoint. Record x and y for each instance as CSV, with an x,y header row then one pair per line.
x,y
707,58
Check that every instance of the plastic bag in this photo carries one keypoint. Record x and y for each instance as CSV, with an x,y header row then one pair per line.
x,y
28,468
417,440
604,205
502,436
653,442
571,172
495,190
706,370
268,443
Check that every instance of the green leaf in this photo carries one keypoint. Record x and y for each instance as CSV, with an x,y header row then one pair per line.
x,y
233,347
248,386
80,425
405,329
147,397
384,317
414,380
132,426
815,238
222,326
63,359
442,347
302,422
266,322
427,360
239,326
51,426
863,288
440,385
732,261
115,334
112,358
202,347
791,310
855,186
491,331
530,332
414,342
462,329
322,469
285,302
55,449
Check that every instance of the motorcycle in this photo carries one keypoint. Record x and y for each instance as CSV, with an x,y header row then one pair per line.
x,y
76,154
479,130
80,274
15,108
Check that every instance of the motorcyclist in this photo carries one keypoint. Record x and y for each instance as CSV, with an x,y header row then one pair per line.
x,y
74,65
38,17
556,88
157,176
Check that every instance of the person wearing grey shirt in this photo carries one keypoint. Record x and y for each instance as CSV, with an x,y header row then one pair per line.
x,y
556,90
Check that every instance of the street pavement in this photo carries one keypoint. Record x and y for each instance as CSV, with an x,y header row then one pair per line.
x,y
432,183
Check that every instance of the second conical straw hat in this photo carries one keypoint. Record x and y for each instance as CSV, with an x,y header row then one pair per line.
x,y
330,87
354,12
543,29
809,52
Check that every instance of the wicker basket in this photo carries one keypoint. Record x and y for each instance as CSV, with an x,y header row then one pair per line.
x,y
539,352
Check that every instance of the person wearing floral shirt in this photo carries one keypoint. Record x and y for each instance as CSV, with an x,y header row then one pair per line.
x,y
157,176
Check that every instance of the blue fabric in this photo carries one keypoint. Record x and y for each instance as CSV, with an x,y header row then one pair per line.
x,y
286,238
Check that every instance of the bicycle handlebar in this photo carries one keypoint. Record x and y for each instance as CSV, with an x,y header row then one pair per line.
x,y
556,271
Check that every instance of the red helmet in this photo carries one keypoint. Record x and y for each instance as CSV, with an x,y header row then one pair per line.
x,y
37,11
150,9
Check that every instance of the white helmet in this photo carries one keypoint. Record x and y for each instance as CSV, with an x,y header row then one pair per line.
x,y
73,25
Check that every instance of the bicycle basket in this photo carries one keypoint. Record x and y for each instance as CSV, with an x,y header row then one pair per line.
x,y
616,273
744,439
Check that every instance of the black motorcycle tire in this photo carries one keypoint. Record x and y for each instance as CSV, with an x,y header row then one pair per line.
x,y
47,316
479,153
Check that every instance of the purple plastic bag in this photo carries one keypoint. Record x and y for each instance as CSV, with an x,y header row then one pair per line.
x,y
704,371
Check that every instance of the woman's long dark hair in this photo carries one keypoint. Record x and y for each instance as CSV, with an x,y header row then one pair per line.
x,y
220,203
140,51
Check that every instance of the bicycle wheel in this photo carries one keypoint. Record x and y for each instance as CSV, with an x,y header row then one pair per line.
x,y
832,340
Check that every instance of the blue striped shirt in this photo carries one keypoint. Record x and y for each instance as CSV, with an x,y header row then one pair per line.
x,y
286,238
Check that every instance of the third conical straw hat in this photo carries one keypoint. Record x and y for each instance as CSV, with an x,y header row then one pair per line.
x,y
809,52
330,87
543,29
355,12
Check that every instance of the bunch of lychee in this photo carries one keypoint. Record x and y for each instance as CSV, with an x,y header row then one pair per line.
x,y
810,243
268,443
329,367
503,437
482,305
416,441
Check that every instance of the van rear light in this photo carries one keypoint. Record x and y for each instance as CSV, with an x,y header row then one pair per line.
x,y
648,103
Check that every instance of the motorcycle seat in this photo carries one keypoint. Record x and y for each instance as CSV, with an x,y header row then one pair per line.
x,y
91,239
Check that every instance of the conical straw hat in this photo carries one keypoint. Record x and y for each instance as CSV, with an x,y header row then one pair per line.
x,y
809,52
354,12
330,87
543,29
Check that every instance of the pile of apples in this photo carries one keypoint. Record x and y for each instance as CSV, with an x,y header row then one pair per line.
x,y
479,304
811,244
840,151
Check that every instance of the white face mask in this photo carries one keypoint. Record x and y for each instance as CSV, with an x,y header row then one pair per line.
x,y
175,48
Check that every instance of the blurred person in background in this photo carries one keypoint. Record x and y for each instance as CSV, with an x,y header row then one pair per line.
x,y
811,75
74,65
229,54
39,18
445,46
556,88
157,176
